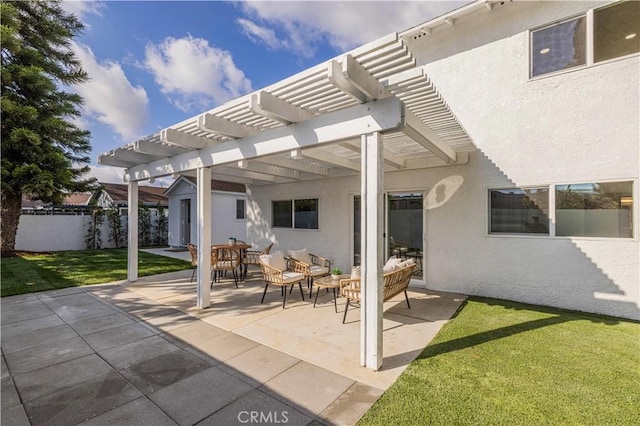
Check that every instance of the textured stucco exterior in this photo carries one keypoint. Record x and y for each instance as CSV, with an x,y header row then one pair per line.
x,y
573,127
223,215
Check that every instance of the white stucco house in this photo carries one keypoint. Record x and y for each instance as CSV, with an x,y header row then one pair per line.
x,y
498,144
228,211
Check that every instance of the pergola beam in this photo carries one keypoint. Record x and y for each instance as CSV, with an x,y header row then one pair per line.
x,y
234,171
268,169
335,160
270,106
133,156
354,79
379,116
185,140
296,165
390,158
223,127
413,127
161,150
107,159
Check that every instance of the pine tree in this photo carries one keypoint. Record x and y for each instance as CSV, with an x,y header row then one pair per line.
x,y
44,155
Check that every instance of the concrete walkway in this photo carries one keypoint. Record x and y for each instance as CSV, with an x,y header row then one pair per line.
x,y
112,355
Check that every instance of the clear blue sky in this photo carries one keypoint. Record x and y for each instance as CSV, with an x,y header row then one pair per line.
x,y
154,63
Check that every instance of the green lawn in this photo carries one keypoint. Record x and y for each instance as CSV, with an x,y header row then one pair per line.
x,y
30,273
500,362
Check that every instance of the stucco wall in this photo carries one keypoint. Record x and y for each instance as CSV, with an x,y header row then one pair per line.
x,y
578,126
223,215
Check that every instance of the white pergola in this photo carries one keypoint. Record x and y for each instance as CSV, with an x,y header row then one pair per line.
x,y
367,112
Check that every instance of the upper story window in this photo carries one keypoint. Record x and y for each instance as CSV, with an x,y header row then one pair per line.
x,y
616,31
558,47
598,35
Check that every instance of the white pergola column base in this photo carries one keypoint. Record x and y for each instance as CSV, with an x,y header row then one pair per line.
x,y
204,236
372,248
132,250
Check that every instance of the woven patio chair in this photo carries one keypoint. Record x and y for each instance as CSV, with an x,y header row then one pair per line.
x,y
274,272
310,265
222,260
394,282
193,251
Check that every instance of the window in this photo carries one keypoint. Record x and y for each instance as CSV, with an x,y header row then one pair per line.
x,y
306,214
616,31
240,209
601,34
595,210
282,217
297,214
519,211
558,47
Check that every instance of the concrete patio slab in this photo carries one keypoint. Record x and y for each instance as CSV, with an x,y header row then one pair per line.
x,y
313,388
48,354
197,397
36,337
124,356
48,380
138,412
92,354
151,375
83,401
259,408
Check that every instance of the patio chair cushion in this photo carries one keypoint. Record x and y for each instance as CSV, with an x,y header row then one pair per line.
x,y
275,260
391,265
317,271
301,255
356,271
292,277
408,262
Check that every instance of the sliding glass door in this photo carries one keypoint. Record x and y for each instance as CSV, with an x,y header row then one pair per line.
x,y
404,224
405,219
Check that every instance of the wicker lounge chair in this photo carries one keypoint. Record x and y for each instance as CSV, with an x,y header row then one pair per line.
x,y
394,282
275,272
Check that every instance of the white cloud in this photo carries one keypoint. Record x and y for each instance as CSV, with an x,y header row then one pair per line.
x,y
83,8
301,26
260,34
194,75
109,97
106,174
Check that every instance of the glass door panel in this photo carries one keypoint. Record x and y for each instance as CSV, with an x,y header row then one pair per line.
x,y
405,219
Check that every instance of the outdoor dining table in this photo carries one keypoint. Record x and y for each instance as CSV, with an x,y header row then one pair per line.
x,y
241,249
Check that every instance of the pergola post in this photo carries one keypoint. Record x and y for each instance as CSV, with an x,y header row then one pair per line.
x,y
372,247
132,250
204,236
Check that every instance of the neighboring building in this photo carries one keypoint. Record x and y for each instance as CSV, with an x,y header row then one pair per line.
x,y
508,134
114,195
75,203
228,211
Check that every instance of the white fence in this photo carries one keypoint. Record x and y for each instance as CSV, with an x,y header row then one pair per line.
x,y
56,233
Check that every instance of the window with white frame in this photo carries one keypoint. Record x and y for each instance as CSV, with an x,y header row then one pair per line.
x,y
595,210
240,209
598,209
598,35
519,211
296,214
